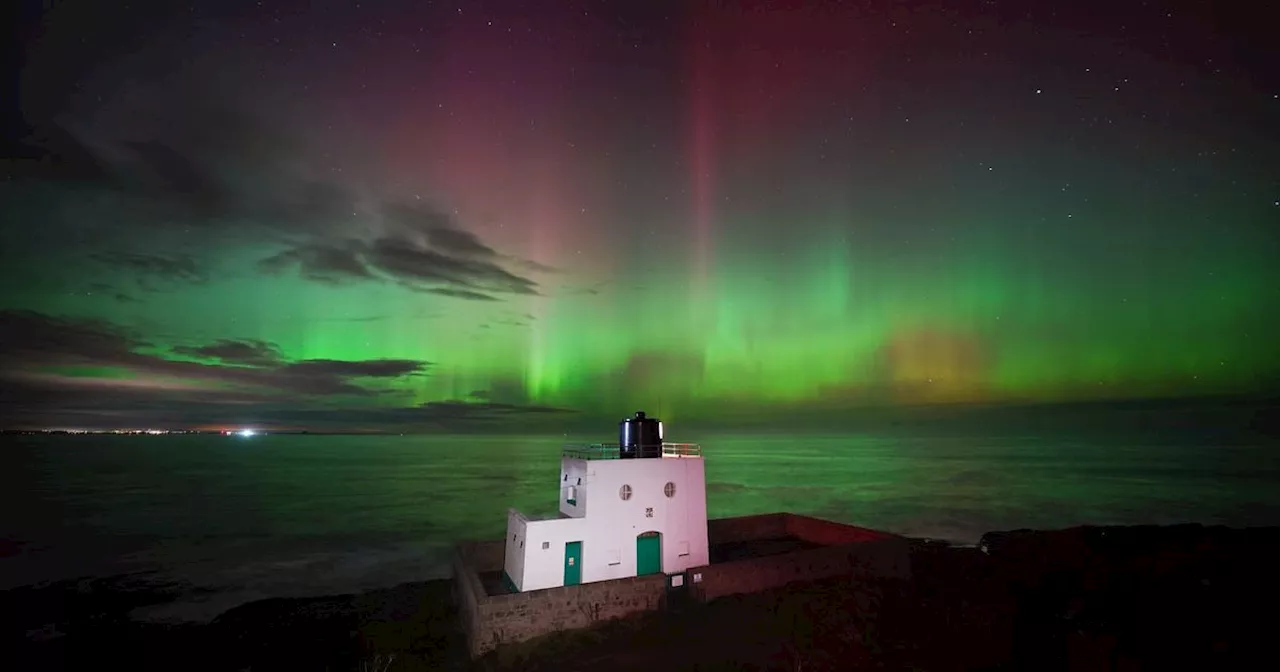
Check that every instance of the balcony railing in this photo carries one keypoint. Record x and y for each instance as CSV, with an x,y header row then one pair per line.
x,y
611,451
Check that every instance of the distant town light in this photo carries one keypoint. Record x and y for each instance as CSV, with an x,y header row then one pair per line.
x,y
246,432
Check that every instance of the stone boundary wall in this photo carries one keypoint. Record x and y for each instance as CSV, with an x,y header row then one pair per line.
x,y
850,551
782,525
885,558
491,620
827,533
504,619
746,528
470,558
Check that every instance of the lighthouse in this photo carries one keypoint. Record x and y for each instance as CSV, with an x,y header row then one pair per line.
x,y
631,508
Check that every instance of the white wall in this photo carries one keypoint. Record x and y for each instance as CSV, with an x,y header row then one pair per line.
x,y
614,524
572,471
608,526
516,532
544,567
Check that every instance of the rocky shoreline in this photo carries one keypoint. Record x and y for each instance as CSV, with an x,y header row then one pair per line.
x,y
1086,598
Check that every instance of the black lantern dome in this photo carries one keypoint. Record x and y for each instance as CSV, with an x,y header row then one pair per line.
x,y
640,437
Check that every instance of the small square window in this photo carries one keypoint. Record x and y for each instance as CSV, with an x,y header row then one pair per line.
x,y
546,545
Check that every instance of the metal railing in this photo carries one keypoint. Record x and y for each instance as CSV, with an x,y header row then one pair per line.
x,y
612,451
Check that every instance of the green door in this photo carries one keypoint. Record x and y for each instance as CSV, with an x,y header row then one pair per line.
x,y
573,563
648,553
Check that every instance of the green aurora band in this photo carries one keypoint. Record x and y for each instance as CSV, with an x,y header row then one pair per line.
x,y
738,215
834,327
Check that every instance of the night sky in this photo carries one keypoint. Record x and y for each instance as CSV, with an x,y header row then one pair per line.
x,y
418,215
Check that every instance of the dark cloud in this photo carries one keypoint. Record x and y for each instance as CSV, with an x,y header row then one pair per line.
x,y
437,230
456,410
536,267
461,294
458,242
331,263
242,382
159,176
375,368
52,153
157,169
31,338
582,290
108,289
409,262
35,350
421,251
185,412
185,155
49,401
245,352
317,201
221,174
152,268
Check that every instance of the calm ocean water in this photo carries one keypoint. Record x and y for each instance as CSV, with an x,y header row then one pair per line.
x,y
236,519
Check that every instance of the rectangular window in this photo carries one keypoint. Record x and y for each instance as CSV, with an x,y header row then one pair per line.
x,y
615,557
682,548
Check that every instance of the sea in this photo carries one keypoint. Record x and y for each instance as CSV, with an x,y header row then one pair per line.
x,y
224,520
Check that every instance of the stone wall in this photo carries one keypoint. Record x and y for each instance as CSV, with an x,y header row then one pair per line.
x,y
485,556
504,619
490,620
746,528
886,557
827,533
468,594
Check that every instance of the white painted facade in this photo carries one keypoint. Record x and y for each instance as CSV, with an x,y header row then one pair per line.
x,y
666,495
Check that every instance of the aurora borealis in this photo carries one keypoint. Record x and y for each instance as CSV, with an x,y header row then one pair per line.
x,y
417,215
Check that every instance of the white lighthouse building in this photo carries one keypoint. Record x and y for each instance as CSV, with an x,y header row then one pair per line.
x,y
627,509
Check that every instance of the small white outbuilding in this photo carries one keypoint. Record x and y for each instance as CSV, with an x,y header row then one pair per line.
x,y
627,509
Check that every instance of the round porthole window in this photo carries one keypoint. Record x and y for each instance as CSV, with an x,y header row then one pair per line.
x,y
669,489
625,492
